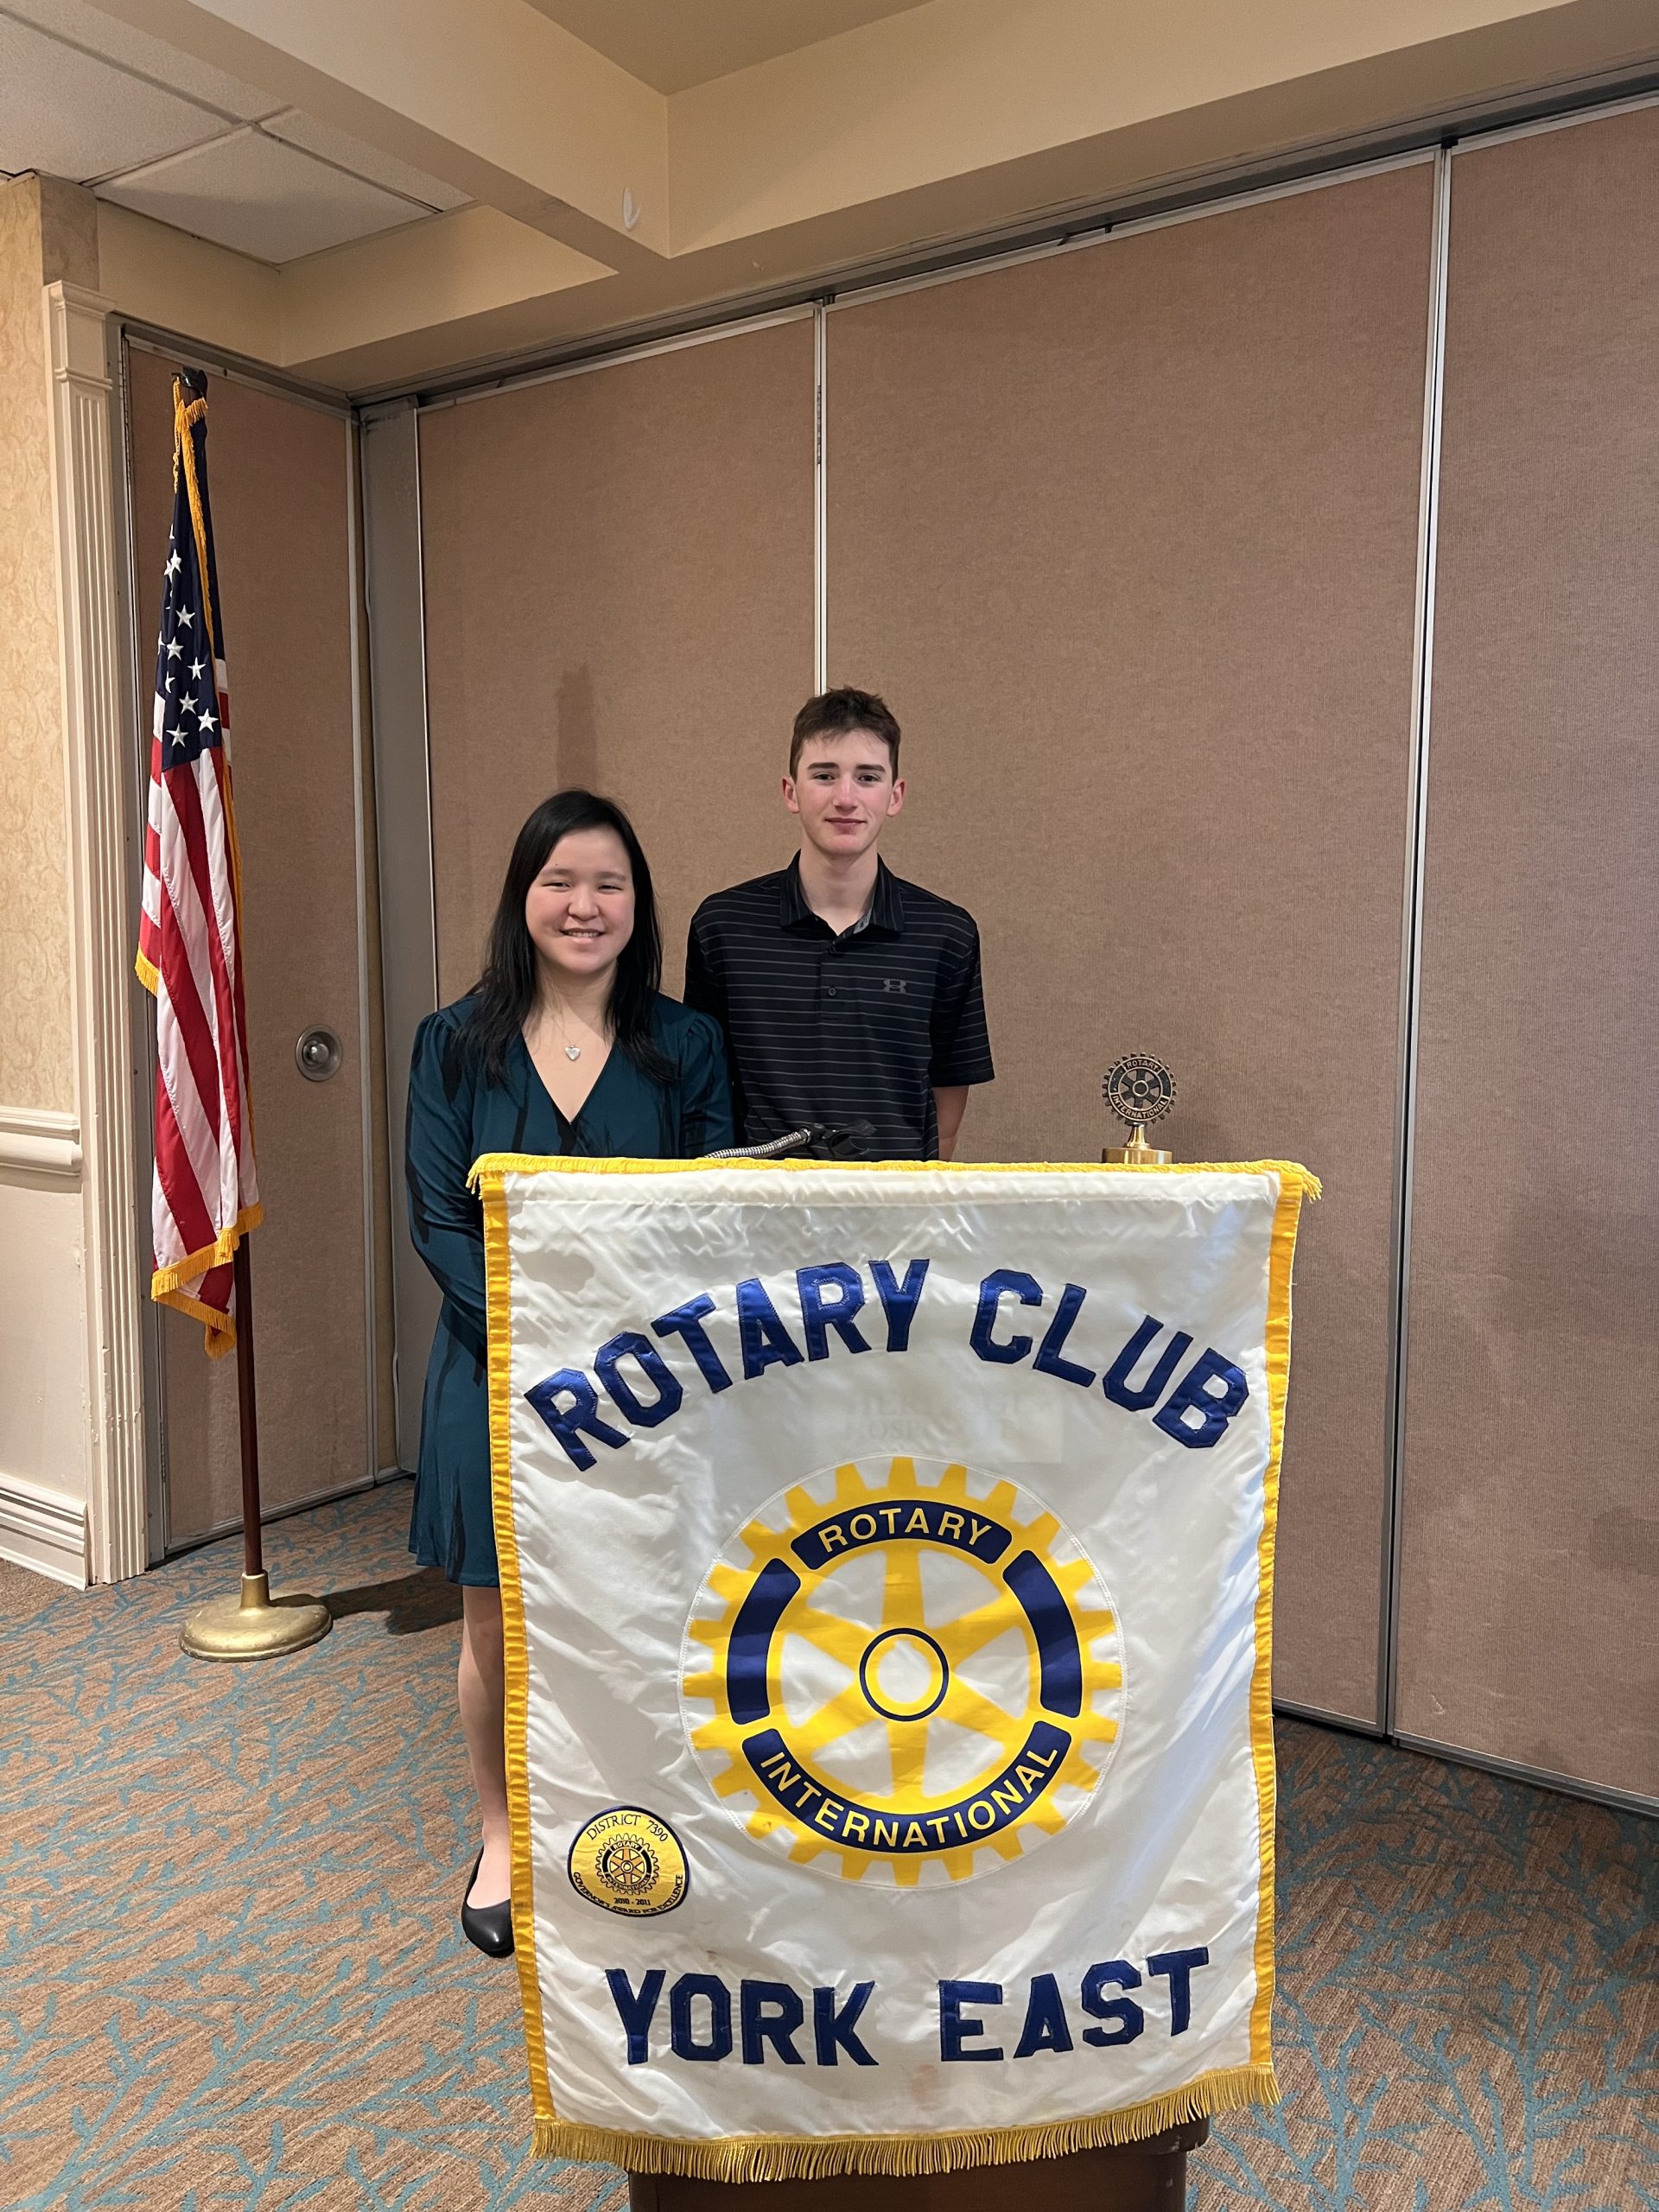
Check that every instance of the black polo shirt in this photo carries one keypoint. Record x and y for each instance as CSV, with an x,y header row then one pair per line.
x,y
859,1027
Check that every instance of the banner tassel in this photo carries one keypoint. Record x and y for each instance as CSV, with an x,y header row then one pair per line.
x,y
786,2158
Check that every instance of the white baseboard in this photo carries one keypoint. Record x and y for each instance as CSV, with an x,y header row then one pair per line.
x,y
42,1529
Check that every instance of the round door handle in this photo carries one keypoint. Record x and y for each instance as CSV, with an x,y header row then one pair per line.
x,y
317,1055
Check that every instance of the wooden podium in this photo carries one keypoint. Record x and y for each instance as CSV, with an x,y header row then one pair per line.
x,y
1148,2176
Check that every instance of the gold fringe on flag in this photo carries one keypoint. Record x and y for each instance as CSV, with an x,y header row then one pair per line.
x,y
167,1284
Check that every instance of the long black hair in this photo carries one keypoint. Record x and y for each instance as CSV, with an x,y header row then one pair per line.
x,y
507,990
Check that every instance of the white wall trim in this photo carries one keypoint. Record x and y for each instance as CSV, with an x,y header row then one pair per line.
x,y
364,1011
36,1140
820,500
1411,949
390,460
100,805
41,1530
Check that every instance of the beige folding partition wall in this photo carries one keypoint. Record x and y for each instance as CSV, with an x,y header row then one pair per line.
x,y
1527,1592
282,519
619,590
1128,537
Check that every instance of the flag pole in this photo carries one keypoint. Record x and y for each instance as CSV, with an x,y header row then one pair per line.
x,y
249,1624
252,1624
253,1538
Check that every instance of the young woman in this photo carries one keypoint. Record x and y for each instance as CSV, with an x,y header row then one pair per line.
x,y
565,1044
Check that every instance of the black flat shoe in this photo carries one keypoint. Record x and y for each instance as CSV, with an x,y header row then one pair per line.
x,y
487,1927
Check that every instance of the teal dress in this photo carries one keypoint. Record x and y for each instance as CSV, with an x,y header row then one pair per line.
x,y
454,1116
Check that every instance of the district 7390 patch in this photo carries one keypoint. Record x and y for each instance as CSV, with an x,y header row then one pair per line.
x,y
628,1861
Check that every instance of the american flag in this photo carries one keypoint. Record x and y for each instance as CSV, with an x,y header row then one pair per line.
x,y
205,1193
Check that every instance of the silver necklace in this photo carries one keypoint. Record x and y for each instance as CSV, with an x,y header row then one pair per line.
x,y
571,1051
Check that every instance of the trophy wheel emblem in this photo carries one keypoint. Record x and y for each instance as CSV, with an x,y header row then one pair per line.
x,y
1139,1091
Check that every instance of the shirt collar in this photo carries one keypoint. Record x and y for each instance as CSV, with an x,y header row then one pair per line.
x,y
886,906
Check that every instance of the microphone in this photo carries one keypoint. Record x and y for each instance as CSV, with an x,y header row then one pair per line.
x,y
817,1140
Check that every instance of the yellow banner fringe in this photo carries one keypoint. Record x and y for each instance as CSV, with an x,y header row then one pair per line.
x,y
498,1281
794,2158
490,1167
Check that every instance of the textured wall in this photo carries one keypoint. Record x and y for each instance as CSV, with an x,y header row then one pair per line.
x,y
619,582
1530,1544
37,1055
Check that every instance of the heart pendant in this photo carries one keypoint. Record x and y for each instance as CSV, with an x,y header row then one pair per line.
x,y
573,1052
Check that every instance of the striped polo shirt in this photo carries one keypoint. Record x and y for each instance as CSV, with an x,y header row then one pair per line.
x,y
861,1026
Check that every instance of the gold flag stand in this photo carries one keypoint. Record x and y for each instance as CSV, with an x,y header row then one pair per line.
x,y
252,1624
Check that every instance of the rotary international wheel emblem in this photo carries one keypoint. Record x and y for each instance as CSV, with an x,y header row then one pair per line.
x,y
628,1866
1139,1090
914,1676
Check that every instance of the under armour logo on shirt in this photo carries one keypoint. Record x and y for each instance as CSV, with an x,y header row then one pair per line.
x,y
894,982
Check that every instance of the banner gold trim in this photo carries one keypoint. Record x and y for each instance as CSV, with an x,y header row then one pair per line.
x,y
1281,1254
812,2158
498,1306
491,1165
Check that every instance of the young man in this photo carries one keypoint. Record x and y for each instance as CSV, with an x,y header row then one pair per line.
x,y
846,994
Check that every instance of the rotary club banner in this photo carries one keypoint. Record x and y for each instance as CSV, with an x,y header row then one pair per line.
x,y
886,1566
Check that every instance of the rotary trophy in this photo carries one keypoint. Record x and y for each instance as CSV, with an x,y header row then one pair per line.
x,y
1139,1091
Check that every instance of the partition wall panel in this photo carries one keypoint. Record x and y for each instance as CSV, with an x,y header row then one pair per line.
x,y
282,525
1128,538
619,591
1530,1539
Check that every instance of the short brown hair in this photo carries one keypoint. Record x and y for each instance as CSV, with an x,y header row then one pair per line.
x,y
835,714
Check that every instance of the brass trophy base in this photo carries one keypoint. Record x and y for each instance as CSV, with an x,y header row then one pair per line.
x,y
1137,1153
256,1625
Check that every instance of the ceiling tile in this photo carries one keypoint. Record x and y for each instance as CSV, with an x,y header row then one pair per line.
x,y
259,197
348,153
73,116
90,29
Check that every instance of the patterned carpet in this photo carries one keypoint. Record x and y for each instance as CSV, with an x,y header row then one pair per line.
x,y
230,1974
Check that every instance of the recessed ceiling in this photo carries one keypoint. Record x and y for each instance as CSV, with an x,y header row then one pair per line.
x,y
75,23
674,44
69,114
345,152
88,99
261,197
